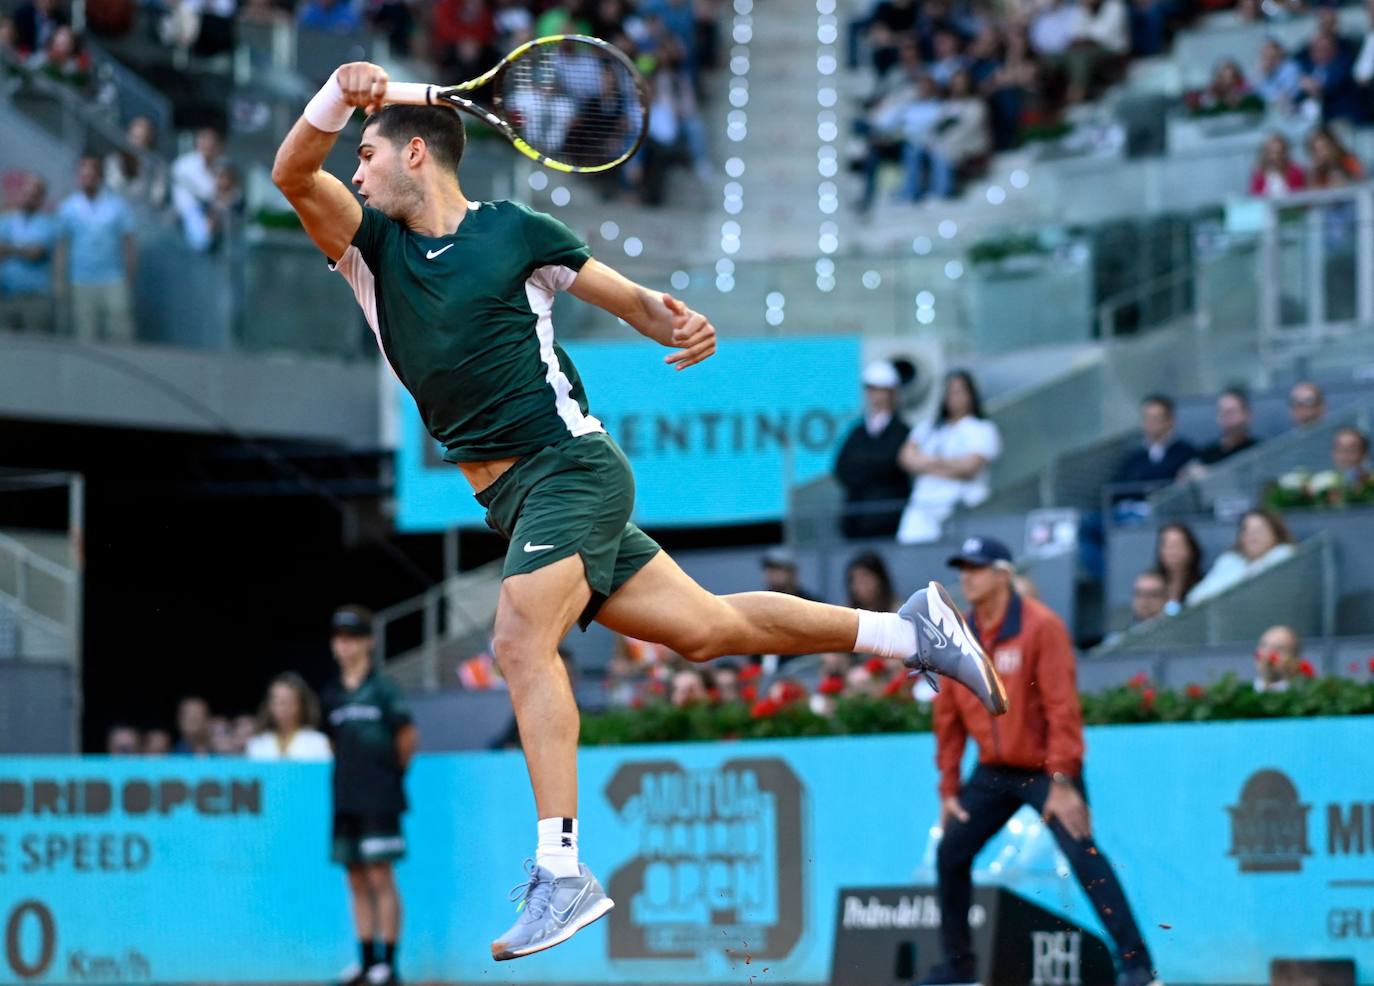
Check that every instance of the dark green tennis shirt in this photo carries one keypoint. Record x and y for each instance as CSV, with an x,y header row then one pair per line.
x,y
362,724
466,322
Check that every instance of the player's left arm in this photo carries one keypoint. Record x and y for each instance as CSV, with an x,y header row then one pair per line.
x,y
658,316
407,742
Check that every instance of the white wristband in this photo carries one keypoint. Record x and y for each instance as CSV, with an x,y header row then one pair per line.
x,y
327,110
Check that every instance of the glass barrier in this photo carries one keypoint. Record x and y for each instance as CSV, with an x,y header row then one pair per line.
x,y
1298,593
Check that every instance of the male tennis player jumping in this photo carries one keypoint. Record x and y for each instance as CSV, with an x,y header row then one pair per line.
x,y
459,294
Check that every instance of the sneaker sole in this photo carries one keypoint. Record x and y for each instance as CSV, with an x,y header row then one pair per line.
x,y
593,914
940,600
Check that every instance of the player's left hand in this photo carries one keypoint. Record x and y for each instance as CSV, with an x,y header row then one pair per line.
x,y
1067,805
693,334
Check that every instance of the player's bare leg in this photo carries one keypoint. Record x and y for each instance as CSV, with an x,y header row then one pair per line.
x,y
364,920
381,879
664,604
536,609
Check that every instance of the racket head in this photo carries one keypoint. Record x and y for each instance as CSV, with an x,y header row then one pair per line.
x,y
571,102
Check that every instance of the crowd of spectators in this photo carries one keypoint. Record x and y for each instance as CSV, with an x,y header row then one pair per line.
x,y
1327,78
1330,165
1181,576
71,266
283,728
955,81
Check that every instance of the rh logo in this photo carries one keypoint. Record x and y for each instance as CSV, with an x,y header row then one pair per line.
x,y
1056,958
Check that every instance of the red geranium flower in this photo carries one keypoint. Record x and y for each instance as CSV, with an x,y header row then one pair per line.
x,y
1305,669
1147,697
874,666
1371,665
1196,691
764,708
1139,680
749,672
749,692
831,684
786,693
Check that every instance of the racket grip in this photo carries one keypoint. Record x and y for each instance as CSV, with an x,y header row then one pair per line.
x,y
410,93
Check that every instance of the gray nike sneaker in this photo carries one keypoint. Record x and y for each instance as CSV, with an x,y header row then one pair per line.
x,y
946,646
552,910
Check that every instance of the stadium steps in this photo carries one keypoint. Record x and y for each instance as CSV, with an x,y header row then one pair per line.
x,y
442,627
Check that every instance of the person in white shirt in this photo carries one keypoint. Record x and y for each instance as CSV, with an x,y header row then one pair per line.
x,y
1100,34
195,177
289,715
949,459
1263,540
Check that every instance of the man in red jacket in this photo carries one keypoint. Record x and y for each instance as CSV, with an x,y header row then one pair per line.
x,y
1033,755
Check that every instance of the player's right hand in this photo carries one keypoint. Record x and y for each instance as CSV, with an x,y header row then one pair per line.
x,y
951,809
363,84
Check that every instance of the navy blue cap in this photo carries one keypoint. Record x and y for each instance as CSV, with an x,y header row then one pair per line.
x,y
352,621
981,552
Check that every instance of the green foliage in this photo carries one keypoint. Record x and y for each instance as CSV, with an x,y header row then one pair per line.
x,y
1328,489
996,248
1039,132
1231,698
1251,105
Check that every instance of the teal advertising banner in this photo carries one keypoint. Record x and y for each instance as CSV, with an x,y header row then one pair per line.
x,y
720,442
1236,844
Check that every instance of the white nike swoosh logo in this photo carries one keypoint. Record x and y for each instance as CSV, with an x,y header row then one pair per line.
x,y
431,254
562,916
536,547
936,637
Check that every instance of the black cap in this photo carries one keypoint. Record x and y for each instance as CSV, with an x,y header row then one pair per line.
x,y
981,552
352,621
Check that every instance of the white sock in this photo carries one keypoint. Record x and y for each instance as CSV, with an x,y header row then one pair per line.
x,y
557,850
884,634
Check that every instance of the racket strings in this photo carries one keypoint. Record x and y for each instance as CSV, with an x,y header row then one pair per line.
x,y
573,103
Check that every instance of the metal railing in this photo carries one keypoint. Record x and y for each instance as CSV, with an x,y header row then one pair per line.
x,y
77,117
1182,290
418,639
1299,592
131,93
1316,270
40,571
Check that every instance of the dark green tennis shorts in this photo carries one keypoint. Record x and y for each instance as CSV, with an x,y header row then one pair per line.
x,y
571,498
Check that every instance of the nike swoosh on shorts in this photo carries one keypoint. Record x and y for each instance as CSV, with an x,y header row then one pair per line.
x,y
529,548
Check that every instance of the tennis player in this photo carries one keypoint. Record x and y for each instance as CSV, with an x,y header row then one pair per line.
x,y
459,295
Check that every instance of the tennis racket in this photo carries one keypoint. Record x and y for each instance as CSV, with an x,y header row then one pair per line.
x,y
570,102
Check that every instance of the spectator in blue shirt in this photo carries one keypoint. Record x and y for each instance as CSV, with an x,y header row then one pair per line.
x,y
331,15
97,257
1279,82
27,238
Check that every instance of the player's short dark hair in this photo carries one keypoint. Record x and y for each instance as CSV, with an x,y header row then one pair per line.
x,y
1163,400
438,126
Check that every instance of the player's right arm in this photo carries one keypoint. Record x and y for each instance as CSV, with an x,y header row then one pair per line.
x,y
329,211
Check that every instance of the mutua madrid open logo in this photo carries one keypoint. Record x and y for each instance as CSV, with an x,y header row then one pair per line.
x,y
718,865
1269,826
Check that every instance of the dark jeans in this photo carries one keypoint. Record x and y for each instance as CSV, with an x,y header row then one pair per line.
x,y
991,796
